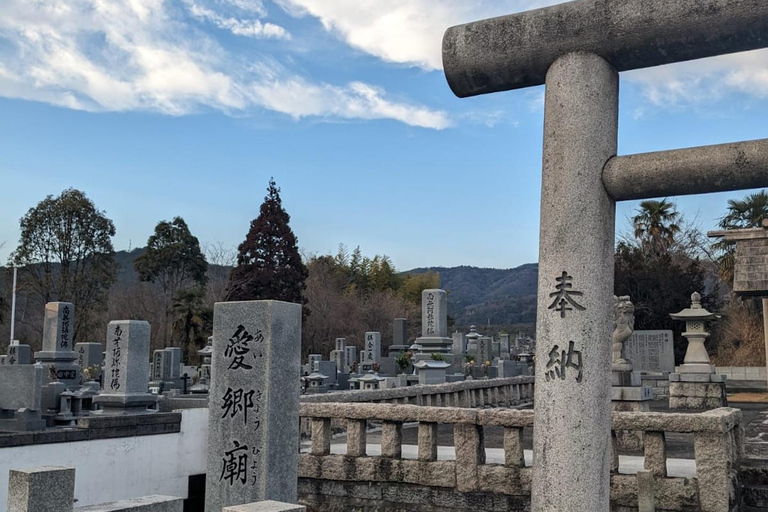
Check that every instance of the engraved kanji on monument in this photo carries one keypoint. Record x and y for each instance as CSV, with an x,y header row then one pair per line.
x,y
126,369
253,403
58,343
373,346
89,355
19,354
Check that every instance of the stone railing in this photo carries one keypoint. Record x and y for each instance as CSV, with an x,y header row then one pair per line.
x,y
717,442
507,392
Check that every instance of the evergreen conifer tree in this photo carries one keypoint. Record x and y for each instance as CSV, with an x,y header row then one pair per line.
x,y
268,262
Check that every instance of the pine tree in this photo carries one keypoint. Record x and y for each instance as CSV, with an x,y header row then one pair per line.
x,y
268,262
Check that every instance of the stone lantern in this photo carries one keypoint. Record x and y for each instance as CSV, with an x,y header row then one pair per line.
x,y
695,385
696,357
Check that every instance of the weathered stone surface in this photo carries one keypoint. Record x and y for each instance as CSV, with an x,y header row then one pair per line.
x,y
321,436
700,170
356,438
19,354
266,506
698,389
513,447
427,441
646,498
655,451
515,51
391,439
581,121
650,351
470,452
716,471
143,504
44,489
253,403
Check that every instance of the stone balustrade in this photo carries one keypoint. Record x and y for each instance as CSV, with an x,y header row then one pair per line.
x,y
467,481
507,392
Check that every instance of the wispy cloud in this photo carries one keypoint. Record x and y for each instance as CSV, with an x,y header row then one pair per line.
x,y
149,55
410,32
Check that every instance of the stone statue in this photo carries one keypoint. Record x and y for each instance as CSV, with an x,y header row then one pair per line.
x,y
623,327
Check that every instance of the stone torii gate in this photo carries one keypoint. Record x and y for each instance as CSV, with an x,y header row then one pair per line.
x,y
577,50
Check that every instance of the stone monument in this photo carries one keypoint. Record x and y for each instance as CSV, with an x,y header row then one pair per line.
x,y
19,354
126,369
578,49
696,385
58,345
434,327
253,403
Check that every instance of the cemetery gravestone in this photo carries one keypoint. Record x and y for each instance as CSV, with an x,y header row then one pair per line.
x,y
19,354
58,346
373,345
158,363
253,403
126,372
350,356
89,354
175,363
399,331
651,351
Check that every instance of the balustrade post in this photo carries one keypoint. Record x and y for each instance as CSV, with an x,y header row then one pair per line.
x,y
646,494
614,453
513,447
356,438
655,451
392,439
469,442
427,441
321,436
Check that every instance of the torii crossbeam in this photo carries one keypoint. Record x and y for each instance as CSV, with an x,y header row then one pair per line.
x,y
577,50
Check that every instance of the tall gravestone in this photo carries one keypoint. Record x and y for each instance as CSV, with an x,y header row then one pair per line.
x,y
253,403
58,343
126,370
582,178
350,355
373,345
399,331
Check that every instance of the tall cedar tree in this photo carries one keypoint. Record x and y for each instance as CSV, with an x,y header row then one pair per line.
x,y
268,262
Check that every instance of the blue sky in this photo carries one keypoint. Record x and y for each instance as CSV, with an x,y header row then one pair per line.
x,y
161,108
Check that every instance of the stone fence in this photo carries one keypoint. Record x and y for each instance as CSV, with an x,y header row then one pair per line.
x,y
509,391
333,481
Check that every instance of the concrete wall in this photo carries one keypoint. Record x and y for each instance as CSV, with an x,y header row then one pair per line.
x,y
742,372
121,468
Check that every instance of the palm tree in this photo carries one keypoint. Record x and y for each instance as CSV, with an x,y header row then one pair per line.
x,y
655,224
188,307
742,213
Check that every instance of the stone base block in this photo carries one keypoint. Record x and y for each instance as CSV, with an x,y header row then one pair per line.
x,y
138,402
718,378
694,402
674,377
631,393
626,378
266,506
696,377
697,395
696,368
144,504
45,489
621,367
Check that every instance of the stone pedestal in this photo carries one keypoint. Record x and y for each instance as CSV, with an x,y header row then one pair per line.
x,y
629,394
697,391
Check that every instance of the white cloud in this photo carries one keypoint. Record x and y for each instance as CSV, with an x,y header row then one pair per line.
x,y
247,28
402,31
410,32
110,55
